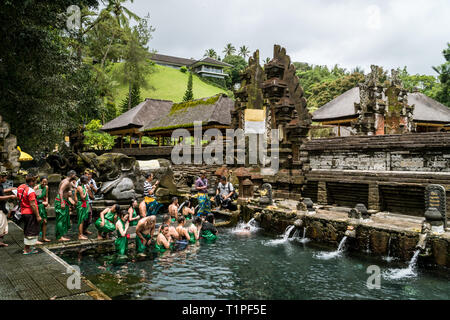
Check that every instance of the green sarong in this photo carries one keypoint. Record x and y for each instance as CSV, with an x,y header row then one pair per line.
x,y
41,207
109,224
134,222
62,218
121,243
82,208
140,248
161,248
192,238
208,236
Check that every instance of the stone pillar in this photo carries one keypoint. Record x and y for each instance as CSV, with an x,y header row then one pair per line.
x,y
374,197
322,193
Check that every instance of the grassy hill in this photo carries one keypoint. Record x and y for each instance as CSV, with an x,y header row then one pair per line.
x,y
169,84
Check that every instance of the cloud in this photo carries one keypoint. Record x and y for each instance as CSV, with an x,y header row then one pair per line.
x,y
346,32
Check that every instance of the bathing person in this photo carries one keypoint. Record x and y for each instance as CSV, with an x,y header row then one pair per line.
x,y
173,209
105,224
144,231
94,189
209,231
30,214
152,206
62,209
81,198
184,237
121,242
132,213
188,211
3,211
204,204
164,240
224,193
173,232
42,200
194,230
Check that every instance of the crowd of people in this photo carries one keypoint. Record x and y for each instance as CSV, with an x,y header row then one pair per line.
x,y
181,226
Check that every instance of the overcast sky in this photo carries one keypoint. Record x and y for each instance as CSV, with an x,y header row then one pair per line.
x,y
345,32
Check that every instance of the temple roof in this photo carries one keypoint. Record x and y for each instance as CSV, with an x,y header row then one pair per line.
x,y
212,110
143,113
343,107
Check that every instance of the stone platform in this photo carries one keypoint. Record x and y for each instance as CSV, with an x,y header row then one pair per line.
x,y
40,276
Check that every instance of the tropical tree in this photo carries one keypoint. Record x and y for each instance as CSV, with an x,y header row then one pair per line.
x,y
189,94
96,139
135,99
244,52
443,94
229,50
238,64
210,53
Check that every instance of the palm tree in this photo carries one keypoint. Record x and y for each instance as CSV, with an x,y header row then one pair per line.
x,y
244,52
210,53
229,50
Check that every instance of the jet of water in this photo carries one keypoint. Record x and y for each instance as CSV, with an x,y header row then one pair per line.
x,y
409,272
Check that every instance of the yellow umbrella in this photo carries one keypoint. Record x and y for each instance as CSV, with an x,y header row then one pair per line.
x,y
24,156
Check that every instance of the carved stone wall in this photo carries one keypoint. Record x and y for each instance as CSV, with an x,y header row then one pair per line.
x,y
9,155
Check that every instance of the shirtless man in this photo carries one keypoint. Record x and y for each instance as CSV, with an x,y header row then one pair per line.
x,y
62,206
172,231
144,232
173,209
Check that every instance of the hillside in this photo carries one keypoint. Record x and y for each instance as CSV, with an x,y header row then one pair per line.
x,y
170,84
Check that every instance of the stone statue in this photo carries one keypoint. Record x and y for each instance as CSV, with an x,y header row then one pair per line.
x,y
266,194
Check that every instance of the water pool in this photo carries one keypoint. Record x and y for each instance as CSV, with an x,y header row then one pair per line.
x,y
253,267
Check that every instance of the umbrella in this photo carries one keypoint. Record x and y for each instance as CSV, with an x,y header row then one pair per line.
x,y
24,156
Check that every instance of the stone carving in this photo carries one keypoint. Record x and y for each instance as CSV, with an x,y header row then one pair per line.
x,y
435,206
266,194
359,212
9,155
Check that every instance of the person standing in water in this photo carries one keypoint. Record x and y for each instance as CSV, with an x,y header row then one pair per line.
x,y
81,198
188,211
204,204
94,190
194,230
105,223
144,231
121,242
62,209
182,231
164,241
209,231
132,213
3,211
42,200
172,231
173,209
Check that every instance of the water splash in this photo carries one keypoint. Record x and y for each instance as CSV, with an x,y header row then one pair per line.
x,y
249,227
304,239
409,272
334,254
285,237
368,244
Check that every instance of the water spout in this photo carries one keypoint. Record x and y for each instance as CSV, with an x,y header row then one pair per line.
x,y
350,232
333,254
423,237
408,272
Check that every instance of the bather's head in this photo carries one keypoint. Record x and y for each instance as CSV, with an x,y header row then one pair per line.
x,y
198,221
166,219
175,200
181,220
165,229
115,208
123,215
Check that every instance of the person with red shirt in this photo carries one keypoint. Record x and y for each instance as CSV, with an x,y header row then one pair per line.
x,y
30,214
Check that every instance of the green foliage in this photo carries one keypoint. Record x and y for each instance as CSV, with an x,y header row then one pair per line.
x,y
218,82
239,64
229,50
428,85
211,53
184,69
244,52
443,93
189,95
135,99
189,104
96,139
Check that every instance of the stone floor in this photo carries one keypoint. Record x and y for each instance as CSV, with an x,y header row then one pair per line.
x,y
40,276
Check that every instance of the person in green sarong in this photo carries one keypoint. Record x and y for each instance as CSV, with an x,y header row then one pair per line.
x,y
164,241
144,231
105,223
194,230
81,198
62,204
122,225
42,200
208,231
188,211
173,209
132,213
